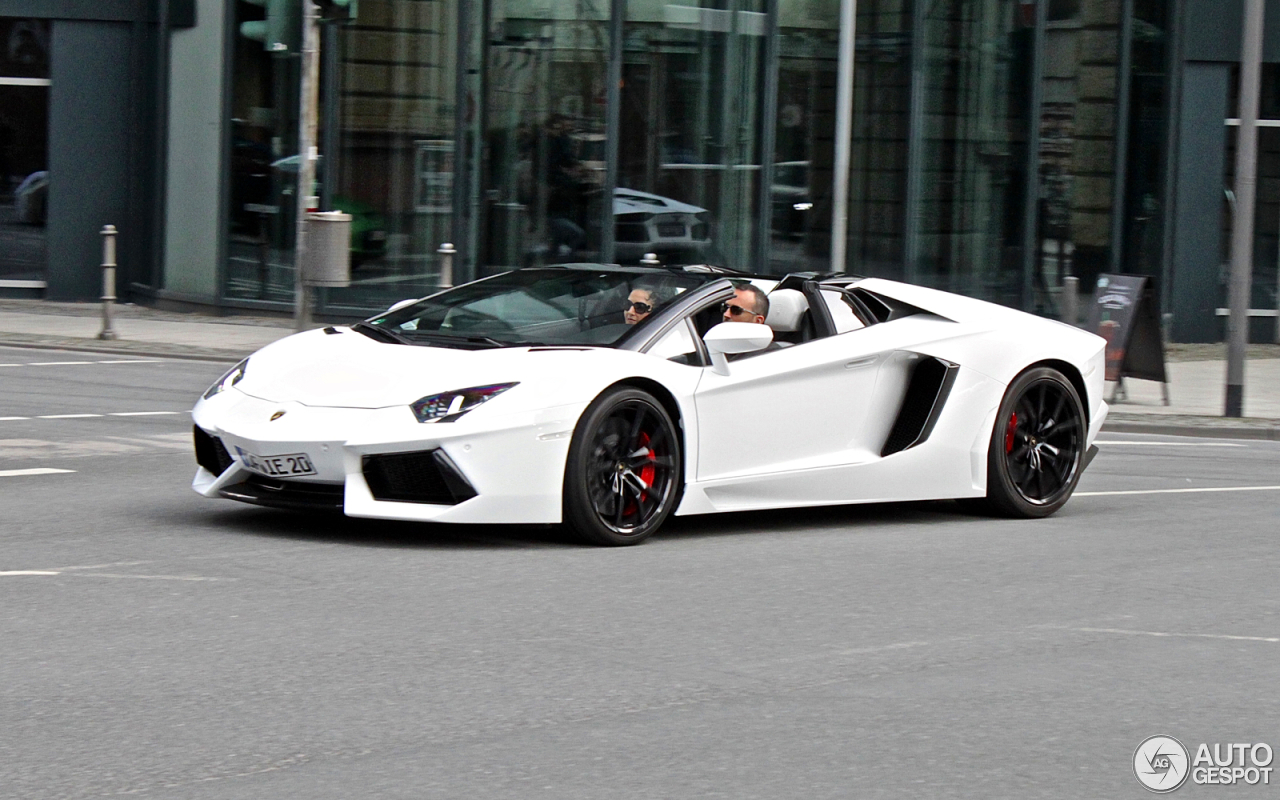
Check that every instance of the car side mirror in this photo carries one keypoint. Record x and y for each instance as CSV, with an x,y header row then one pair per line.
x,y
735,337
401,305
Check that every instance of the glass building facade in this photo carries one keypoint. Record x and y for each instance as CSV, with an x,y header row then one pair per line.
x,y
995,146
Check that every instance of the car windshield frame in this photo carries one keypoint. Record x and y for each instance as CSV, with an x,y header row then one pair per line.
x,y
576,305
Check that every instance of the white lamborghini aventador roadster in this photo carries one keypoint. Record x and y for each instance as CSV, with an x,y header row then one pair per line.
x,y
527,398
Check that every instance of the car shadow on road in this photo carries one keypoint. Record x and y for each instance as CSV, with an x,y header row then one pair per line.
x,y
853,517
333,528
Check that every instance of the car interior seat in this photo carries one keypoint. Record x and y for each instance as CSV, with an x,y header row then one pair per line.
x,y
789,317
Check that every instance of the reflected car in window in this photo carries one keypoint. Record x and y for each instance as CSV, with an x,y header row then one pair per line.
x,y
650,223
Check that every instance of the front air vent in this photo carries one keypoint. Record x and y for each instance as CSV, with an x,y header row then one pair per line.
x,y
210,452
426,476
927,391
293,495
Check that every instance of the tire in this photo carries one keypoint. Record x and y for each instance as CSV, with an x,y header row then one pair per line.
x,y
624,472
1037,446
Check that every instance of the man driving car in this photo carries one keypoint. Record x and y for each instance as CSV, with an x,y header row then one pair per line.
x,y
749,304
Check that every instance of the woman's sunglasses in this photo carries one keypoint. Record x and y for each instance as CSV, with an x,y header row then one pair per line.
x,y
641,308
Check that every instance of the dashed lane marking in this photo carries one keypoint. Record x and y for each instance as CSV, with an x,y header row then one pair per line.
x,y
92,416
17,473
16,572
1173,444
1229,637
1181,491
82,363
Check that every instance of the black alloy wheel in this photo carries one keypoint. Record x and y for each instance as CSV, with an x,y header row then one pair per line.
x,y
623,476
1037,447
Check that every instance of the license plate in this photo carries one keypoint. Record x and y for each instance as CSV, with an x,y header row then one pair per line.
x,y
286,466
671,229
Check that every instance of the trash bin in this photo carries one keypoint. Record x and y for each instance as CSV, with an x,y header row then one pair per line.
x,y
327,260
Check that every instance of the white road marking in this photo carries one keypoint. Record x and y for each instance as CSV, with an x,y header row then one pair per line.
x,y
55,363
1271,639
1183,491
19,572
15,473
149,577
1176,444
109,414
12,365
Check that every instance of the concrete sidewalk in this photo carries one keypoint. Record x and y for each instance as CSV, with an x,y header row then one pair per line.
x,y
1197,373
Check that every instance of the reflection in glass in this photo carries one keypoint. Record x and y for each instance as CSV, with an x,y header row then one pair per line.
x,y
800,192
968,174
543,162
689,152
878,175
393,163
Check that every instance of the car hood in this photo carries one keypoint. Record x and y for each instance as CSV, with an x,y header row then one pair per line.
x,y
630,201
351,370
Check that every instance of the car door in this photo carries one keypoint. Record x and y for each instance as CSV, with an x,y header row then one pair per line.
x,y
802,407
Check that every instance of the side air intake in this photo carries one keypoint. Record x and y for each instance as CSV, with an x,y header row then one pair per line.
x,y
210,452
425,476
927,391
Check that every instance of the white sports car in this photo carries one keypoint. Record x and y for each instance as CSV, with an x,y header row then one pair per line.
x,y
527,398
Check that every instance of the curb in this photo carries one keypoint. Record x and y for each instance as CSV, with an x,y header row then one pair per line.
x,y
125,348
1203,427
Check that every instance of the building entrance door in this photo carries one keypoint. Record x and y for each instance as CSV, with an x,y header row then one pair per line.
x,y
24,152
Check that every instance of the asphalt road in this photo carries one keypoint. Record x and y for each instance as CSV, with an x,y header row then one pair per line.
x,y
154,643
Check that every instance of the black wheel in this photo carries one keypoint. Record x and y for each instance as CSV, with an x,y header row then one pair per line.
x,y
1037,446
624,470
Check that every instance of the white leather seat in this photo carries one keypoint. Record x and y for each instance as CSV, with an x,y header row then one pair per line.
x,y
786,310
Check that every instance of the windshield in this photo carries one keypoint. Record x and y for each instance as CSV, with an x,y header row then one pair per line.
x,y
555,306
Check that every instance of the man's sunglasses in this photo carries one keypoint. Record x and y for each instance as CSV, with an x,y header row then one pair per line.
x,y
641,308
737,311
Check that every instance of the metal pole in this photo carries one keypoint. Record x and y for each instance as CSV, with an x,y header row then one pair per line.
x,y
307,124
1123,81
329,49
1071,300
108,280
844,136
1246,186
1032,246
447,251
612,129
768,143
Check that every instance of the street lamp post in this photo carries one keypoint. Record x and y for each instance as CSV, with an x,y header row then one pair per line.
x,y
1246,194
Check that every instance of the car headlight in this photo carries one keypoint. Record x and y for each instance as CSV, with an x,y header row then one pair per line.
x,y
448,406
233,376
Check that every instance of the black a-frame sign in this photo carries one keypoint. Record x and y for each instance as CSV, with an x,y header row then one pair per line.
x,y
1124,313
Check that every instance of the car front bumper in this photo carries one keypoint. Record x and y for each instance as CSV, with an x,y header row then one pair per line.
x,y
368,462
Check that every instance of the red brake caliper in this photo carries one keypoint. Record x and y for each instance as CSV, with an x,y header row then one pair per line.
x,y
1008,435
647,473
